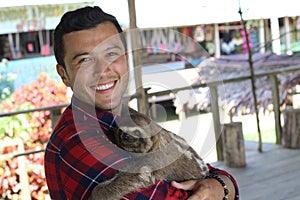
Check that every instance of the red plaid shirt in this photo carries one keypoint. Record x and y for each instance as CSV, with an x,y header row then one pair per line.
x,y
79,156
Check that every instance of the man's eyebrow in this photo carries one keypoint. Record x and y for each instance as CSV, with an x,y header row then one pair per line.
x,y
113,47
80,54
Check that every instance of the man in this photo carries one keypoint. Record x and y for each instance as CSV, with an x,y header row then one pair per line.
x,y
91,59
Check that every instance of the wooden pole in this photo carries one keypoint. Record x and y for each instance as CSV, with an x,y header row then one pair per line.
x,y
262,41
136,47
217,41
287,35
276,107
216,118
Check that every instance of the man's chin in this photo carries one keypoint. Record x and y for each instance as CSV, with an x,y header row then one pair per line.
x,y
110,106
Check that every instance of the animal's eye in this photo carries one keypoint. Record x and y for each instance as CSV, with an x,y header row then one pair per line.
x,y
128,137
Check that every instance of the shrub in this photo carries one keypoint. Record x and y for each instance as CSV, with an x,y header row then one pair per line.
x,y
33,128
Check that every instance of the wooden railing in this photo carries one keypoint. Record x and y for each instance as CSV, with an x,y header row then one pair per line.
x,y
213,86
56,109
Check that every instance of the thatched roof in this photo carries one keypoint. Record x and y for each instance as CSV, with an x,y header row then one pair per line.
x,y
238,95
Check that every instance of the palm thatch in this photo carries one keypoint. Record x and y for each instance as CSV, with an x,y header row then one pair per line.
x,y
238,95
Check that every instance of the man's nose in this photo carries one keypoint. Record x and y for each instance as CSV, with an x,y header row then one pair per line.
x,y
102,67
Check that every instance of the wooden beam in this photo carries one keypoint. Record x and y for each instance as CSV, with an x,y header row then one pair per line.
x,y
136,47
217,41
54,116
216,119
276,107
287,31
262,40
275,35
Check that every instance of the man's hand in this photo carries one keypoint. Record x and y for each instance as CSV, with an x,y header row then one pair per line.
x,y
206,189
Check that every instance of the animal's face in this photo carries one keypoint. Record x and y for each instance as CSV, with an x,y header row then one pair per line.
x,y
135,139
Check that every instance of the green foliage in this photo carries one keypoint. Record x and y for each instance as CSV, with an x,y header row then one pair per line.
x,y
6,81
17,126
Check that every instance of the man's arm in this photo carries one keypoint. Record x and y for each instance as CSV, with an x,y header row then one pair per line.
x,y
79,164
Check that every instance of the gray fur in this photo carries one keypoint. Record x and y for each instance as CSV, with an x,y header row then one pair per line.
x,y
158,154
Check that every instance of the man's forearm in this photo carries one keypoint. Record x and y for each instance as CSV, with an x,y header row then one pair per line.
x,y
229,181
230,187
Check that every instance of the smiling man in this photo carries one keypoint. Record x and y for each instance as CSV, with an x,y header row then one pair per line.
x,y
95,65
91,59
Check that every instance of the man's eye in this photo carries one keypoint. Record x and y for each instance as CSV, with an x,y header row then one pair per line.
x,y
85,60
112,54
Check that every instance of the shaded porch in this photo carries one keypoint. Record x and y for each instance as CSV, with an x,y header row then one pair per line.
x,y
272,174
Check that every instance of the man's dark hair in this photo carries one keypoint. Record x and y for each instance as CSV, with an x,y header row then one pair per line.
x,y
80,19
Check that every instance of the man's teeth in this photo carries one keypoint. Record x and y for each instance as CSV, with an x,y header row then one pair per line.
x,y
105,86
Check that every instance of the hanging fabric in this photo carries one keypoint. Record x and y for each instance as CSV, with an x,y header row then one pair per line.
x,y
199,34
148,36
142,34
159,41
14,47
163,41
209,33
45,47
175,42
188,41
243,35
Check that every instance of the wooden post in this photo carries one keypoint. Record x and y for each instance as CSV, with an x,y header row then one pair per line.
x,y
287,31
276,107
217,41
216,119
275,33
262,48
291,130
142,100
233,145
54,115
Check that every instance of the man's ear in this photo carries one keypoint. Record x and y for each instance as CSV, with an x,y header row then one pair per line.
x,y
63,74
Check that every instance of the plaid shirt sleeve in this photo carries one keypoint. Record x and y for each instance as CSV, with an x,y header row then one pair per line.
x,y
72,162
76,161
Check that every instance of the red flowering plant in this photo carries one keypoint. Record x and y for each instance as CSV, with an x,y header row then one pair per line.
x,y
33,128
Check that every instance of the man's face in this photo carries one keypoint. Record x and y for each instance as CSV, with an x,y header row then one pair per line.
x,y
96,66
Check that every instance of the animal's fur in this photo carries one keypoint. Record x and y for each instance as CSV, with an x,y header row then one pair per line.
x,y
158,154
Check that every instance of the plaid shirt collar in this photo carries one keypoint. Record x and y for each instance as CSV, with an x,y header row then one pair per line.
x,y
83,110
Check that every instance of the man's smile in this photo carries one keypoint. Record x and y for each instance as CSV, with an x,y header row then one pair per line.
x,y
105,87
